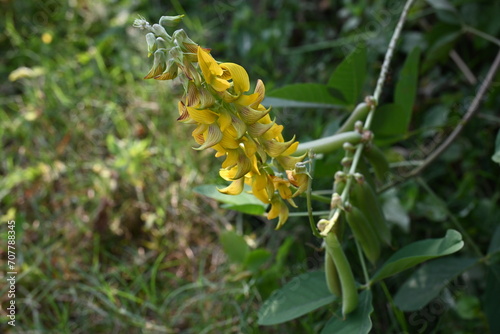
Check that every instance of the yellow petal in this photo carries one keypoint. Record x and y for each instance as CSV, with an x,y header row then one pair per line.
x,y
228,174
273,132
224,120
288,162
219,84
235,188
208,65
291,149
241,83
249,146
247,100
203,116
275,208
231,159
228,141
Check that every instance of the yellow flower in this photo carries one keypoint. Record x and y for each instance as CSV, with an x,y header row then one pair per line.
x,y
230,119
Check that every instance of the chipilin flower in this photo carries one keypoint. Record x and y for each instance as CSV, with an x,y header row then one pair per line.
x,y
229,119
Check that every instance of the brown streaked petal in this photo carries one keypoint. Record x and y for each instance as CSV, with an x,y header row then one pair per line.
x,y
258,129
275,148
159,65
244,166
192,96
238,125
260,89
250,116
184,115
212,136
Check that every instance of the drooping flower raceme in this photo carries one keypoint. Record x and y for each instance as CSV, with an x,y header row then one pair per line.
x,y
229,119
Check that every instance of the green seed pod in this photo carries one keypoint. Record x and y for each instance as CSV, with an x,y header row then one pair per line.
x,y
332,276
363,196
347,283
364,233
378,160
359,113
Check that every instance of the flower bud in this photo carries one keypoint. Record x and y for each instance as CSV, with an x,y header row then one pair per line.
x,y
160,31
170,21
151,40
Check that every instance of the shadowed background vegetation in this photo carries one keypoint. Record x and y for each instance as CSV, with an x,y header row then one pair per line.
x,y
111,237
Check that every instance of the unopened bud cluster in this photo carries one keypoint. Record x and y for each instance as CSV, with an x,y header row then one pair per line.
x,y
228,118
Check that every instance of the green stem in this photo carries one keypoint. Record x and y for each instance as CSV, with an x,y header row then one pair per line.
x,y
454,220
329,144
399,315
363,264
312,223
376,95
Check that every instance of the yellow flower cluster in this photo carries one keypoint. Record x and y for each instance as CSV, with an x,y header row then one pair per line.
x,y
229,119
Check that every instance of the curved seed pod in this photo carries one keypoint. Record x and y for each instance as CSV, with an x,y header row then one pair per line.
x,y
378,160
363,196
332,276
364,233
347,283
359,113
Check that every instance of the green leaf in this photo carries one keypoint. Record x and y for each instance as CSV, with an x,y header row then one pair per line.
x,y
358,322
496,155
249,209
428,281
349,76
256,258
284,103
394,211
301,295
391,121
235,246
312,93
418,252
389,124
491,300
243,202
495,242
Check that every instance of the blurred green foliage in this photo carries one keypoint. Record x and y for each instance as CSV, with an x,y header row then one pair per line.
x,y
99,177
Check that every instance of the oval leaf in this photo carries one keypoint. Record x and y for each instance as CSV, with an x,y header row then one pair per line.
x,y
418,252
235,246
308,92
358,322
428,281
301,295
243,202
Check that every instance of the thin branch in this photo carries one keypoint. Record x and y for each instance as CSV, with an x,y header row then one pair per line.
x,y
484,35
376,95
463,67
473,107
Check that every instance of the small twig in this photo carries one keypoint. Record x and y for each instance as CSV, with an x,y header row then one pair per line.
x,y
473,107
481,34
463,67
